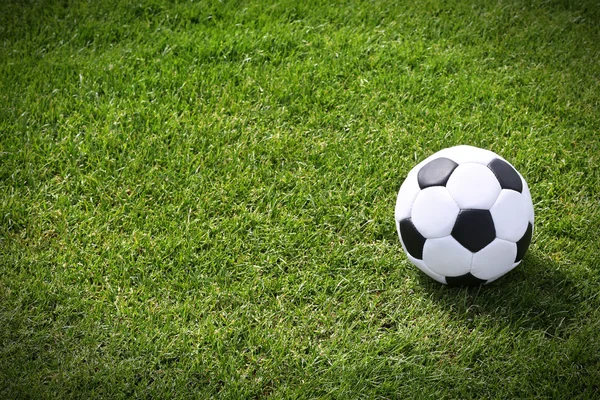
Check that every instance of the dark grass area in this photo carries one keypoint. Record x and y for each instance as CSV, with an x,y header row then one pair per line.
x,y
196,198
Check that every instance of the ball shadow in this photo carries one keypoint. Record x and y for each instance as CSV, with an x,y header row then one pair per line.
x,y
537,295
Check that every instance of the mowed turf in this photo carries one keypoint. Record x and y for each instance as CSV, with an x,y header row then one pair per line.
x,y
197,198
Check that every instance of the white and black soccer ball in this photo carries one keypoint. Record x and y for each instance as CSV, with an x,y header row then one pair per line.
x,y
464,216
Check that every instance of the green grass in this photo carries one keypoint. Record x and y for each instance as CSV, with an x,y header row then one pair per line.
x,y
196,198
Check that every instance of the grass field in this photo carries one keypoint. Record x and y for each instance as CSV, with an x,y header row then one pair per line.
x,y
197,198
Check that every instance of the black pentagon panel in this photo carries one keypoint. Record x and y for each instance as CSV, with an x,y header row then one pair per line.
x,y
523,243
464,280
506,175
436,172
413,240
474,229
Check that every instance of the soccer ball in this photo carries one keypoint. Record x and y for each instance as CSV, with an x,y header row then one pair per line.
x,y
464,216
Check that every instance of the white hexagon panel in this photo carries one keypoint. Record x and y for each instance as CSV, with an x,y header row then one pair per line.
x,y
446,257
474,186
495,259
434,212
406,197
510,213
